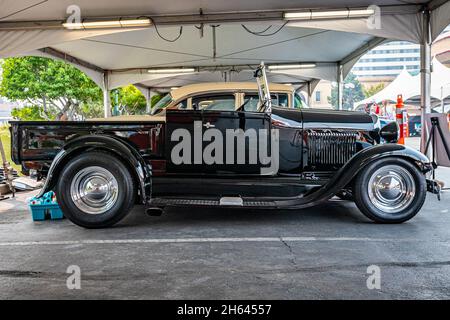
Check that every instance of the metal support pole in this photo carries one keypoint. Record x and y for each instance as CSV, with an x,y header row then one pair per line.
x,y
442,99
106,103
148,99
425,77
106,96
340,86
308,93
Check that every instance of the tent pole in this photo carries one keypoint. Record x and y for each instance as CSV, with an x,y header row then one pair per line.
x,y
106,103
425,76
106,96
148,99
340,86
309,93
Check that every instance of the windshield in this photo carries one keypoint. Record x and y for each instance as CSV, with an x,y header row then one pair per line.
x,y
163,103
298,102
251,101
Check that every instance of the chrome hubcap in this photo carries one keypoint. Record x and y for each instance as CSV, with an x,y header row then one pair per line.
x,y
94,190
391,188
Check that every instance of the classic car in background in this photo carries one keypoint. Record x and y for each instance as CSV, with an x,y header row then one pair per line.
x,y
216,152
226,96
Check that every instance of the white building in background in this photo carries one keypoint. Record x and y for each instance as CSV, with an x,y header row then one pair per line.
x,y
6,108
380,65
385,62
5,111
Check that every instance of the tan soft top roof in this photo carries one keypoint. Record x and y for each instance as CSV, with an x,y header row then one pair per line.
x,y
225,86
137,117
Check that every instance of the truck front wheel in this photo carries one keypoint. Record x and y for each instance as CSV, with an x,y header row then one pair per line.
x,y
95,190
390,190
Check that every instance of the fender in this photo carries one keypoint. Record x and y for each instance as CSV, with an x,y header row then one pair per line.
x,y
344,175
131,157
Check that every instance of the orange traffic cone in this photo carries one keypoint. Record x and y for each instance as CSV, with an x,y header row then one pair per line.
x,y
400,115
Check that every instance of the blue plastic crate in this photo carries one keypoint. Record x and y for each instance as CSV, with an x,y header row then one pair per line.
x,y
45,207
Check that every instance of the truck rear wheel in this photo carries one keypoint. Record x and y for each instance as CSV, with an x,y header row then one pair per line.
x,y
95,190
390,190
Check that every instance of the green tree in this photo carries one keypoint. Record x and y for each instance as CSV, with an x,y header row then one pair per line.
x,y
353,92
155,99
129,99
31,113
55,86
370,91
92,110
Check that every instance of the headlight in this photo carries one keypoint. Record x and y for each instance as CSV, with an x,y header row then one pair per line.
x,y
390,132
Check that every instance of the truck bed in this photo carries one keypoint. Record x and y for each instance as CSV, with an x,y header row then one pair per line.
x,y
42,140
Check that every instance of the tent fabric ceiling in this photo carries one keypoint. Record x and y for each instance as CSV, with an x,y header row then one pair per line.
x,y
128,57
96,76
405,27
241,76
326,43
14,43
440,19
144,50
27,10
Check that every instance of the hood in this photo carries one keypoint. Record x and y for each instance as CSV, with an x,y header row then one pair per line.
x,y
326,119
334,119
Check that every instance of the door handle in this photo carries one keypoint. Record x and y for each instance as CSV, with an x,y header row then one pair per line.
x,y
208,125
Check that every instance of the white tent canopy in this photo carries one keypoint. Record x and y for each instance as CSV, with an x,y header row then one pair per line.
x,y
401,13
26,26
213,40
134,52
409,86
389,93
125,57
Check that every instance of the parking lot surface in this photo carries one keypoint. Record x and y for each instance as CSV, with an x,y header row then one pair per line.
x,y
321,252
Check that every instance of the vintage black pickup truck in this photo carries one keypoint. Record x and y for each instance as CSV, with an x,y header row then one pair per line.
x,y
270,158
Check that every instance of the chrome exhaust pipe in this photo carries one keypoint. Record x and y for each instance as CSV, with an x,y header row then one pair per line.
x,y
154,211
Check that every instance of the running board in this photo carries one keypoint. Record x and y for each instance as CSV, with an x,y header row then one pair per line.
x,y
237,202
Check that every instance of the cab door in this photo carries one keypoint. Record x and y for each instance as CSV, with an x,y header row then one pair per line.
x,y
181,142
213,138
244,135
240,134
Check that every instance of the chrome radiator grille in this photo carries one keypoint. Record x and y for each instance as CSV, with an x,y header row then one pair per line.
x,y
330,148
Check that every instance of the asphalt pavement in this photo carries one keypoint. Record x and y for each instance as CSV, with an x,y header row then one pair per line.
x,y
324,252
